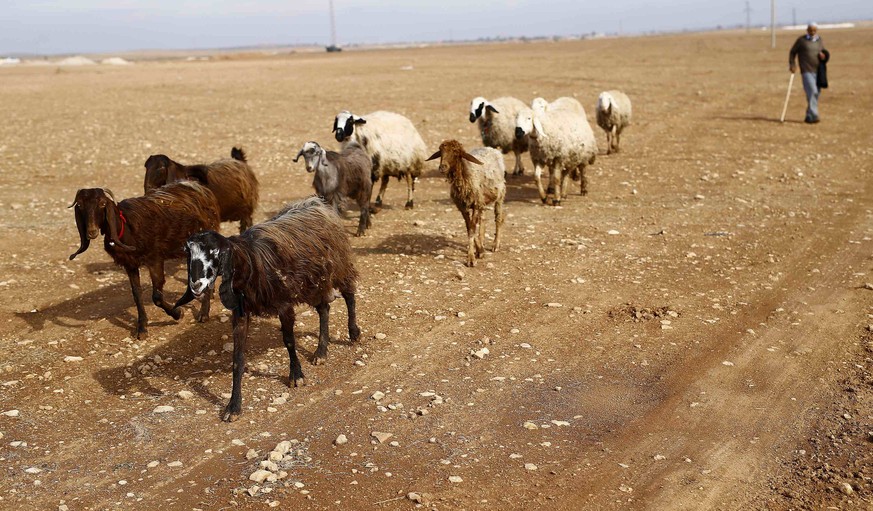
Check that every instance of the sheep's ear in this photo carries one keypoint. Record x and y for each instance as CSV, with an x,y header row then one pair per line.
x,y
470,158
334,124
538,126
82,226
360,120
492,109
434,156
186,298
112,217
225,291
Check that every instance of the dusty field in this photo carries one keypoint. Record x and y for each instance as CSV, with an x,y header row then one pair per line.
x,y
710,355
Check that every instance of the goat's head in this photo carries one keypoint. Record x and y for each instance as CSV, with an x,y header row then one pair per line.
x,y
208,255
157,166
314,155
451,153
344,124
478,107
96,213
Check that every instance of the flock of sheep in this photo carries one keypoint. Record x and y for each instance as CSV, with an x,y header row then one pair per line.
x,y
302,255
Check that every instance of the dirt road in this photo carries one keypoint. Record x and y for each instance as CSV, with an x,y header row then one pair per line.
x,y
690,335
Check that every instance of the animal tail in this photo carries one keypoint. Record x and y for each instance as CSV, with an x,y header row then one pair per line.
x,y
238,154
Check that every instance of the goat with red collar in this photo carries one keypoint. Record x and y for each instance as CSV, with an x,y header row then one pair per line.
x,y
146,231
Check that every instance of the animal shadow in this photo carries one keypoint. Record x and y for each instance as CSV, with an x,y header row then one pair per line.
x,y
411,244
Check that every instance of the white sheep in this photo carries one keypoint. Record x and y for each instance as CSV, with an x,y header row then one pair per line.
x,y
497,126
613,115
561,140
393,144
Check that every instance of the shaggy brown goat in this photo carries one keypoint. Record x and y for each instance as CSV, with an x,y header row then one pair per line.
x,y
473,189
231,180
299,256
145,231
341,175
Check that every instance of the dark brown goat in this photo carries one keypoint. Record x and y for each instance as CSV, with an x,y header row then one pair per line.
x,y
341,175
146,231
299,256
231,180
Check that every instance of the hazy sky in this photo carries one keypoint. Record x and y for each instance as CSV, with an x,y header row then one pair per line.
x,y
83,26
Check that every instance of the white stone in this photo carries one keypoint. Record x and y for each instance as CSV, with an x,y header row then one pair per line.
x,y
185,394
12,413
340,440
455,479
71,358
163,409
259,476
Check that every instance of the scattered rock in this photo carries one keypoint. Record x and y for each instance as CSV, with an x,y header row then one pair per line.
x,y
153,464
381,436
377,396
381,336
554,304
846,488
252,454
163,409
481,353
530,425
33,470
341,440
71,358
185,394
259,476
455,479
12,413
174,464
530,466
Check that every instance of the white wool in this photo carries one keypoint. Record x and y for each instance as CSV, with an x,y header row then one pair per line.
x,y
116,61
613,116
391,138
76,61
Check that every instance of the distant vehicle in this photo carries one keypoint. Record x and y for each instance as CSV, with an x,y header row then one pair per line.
x,y
333,48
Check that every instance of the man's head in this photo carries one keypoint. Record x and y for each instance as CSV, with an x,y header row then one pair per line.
x,y
812,29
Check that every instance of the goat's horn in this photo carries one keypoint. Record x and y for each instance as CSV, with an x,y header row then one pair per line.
x,y
470,158
299,154
434,156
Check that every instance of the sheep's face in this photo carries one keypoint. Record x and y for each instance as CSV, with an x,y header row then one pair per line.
x,y
155,172
523,124
204,261
604,103
479,106
314,156
344,125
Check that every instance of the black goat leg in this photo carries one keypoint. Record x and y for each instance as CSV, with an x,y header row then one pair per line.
x,y
323,333
354,331
142,320
287,318
240,334
156,272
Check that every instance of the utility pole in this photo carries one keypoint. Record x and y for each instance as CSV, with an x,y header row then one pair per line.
x,y
332,25
773,24
748,16
794,16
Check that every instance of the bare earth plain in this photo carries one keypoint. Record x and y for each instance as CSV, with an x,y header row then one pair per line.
x,y
691,335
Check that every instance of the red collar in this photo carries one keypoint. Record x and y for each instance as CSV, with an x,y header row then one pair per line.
x,y
123,221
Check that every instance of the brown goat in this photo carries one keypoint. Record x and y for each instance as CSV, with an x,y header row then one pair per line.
x,y
302,255
146,231
473,189
231,180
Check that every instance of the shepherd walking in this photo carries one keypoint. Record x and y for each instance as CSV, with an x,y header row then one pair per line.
x,y
811,55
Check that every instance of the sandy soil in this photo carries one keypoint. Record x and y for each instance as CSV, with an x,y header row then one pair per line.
x,y
710,349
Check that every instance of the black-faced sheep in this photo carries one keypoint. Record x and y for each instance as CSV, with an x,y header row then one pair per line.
x,y
146,231
341,175
299,256
472,189
613,115
393,144
561,140
497,126
231,180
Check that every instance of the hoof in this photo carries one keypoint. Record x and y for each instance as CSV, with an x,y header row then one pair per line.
x,y
409,205
176,314
556,203
297,382
229,415
319,358
142,334
354,334
471,263
544,199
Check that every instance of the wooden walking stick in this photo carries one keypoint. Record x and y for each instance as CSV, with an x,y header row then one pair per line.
x,y
787,95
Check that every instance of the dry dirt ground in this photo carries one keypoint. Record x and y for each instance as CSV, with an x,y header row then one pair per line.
x,y
709,352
